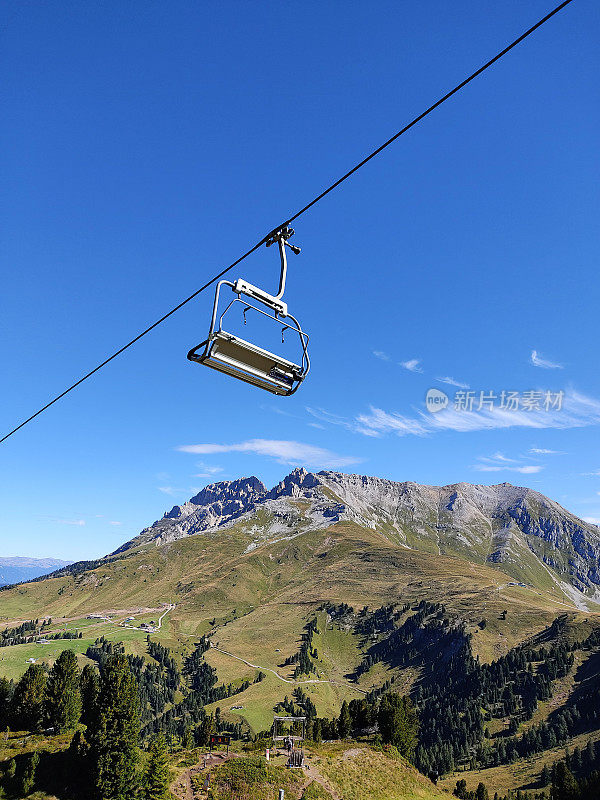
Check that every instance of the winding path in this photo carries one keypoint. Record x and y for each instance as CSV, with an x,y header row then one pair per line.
x,y
287,680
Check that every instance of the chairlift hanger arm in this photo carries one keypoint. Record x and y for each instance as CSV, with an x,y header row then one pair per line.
x,y
281,237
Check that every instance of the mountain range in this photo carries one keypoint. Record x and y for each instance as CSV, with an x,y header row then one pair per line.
x,y
528,536
366,582
16,569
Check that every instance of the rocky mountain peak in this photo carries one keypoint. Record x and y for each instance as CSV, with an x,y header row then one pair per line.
x,y
297,483
518,528
225,490
229,495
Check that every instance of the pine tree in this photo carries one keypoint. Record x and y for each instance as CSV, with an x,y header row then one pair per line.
x,y
317,735
564,785
10,772
344,722
63,697
89,684
113,732
481,793
157,776
545,776
28,699
398,723
590,753
27,781
188,739
6,690
205,730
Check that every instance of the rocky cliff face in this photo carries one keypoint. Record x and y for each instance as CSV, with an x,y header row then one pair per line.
x,y
528,535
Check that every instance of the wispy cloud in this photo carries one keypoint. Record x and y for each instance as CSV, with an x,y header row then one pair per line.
x,y
77,522
578,411
285,452
498,457
381,355
412,365
595,473
206,470
273,409
500,463
452,382
62,521
544,363
331,419
543,451
378,421
172,491
593,520
114,522
527,469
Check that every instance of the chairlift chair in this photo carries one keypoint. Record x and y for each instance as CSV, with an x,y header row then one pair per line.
x,y
244,360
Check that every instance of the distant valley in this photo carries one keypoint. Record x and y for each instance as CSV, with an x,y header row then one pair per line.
x,y
21,568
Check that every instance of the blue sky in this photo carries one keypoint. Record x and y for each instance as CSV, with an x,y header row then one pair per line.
x,y
146,145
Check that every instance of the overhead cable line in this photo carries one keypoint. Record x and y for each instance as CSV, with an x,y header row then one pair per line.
x,y
291,219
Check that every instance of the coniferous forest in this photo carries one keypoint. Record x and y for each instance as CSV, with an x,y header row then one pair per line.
x,y
120,703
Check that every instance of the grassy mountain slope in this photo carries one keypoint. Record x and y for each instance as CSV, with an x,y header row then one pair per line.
x,y
214,577
331,771
256,583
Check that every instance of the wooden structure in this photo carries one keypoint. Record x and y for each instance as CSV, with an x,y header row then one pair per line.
x,y
296,731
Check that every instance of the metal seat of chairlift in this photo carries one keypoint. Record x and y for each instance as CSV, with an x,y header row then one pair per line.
x,y
248,362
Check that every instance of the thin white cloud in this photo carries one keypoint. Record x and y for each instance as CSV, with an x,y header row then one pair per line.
x,y
452,382
378,421
499,457
277,410
114,522
172,491
544,451
595,473
528,469
593,520
578,411
500,463
285,452
381,355
62,521
412,365
544,363
331,419
206,470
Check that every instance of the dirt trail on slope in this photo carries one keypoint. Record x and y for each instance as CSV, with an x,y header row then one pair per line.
x,y
182,787
287,680
314,775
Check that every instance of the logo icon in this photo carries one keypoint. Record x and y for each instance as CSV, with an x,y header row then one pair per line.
x,y
435,400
